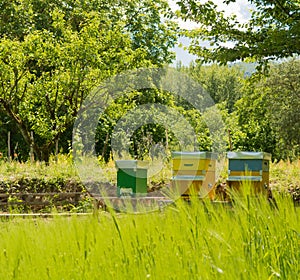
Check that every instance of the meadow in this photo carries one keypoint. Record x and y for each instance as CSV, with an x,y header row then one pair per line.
x,y
199,240
196,240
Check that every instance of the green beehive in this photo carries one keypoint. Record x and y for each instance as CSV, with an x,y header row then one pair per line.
x,y
249,168
131,177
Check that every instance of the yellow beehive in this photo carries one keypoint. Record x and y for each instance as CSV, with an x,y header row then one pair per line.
x,y
193,173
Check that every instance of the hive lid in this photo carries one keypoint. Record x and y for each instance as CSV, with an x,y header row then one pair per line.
x,y
249,155
195,155
131,164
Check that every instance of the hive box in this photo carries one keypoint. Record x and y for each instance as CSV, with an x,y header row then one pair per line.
x,y
131,177
193,173
248,169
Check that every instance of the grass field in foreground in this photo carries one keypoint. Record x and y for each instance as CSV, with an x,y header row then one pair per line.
x,y
184,241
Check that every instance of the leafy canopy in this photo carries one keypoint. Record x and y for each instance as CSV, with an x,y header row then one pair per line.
x,y
272,32
52,53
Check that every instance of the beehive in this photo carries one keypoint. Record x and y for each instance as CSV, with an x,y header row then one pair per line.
x,y
131,177
193,173
248,169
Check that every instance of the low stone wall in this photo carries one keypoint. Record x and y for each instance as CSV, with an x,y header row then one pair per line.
x,y
43,195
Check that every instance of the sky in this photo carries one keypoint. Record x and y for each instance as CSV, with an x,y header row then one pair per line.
x,y
240,8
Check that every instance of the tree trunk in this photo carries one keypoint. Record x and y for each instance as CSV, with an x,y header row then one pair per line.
x,y
8,147
40,152
31,152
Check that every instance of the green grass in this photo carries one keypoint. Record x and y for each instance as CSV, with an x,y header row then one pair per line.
x,y
184,241
285,174
62,168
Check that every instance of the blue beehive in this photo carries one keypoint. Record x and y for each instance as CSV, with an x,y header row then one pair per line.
x,y
250,167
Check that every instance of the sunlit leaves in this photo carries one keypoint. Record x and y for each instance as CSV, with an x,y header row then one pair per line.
x,y
271,32
54,53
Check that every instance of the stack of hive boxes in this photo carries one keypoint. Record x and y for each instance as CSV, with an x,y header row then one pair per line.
x,y
248,168
193,173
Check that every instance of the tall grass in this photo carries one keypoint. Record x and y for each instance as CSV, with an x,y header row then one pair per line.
x,y
285,174
62,167
198,240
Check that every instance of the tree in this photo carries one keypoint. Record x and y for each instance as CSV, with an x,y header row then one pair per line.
x,y
51,57
267,117
224,84
146,21
43,81
249,123
272,32
283,102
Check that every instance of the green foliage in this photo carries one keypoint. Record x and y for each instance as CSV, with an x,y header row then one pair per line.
x,y
141,19
271,32
251,129
223,84
267,116
261,113
283,103
159,118
55,54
